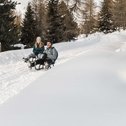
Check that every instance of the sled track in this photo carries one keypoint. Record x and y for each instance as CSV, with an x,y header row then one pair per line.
x,y
15,77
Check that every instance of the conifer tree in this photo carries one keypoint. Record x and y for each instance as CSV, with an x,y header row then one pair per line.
x,y
29,28
69,25
54,22
39,8
89,24
7,28
119,14
106,24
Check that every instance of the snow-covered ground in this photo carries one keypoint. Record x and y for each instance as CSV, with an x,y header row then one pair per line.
x,y
87,86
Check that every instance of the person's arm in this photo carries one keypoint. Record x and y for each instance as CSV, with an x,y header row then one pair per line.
x,y
54,55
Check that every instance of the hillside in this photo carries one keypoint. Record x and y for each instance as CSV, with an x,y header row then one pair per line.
x,y
86,86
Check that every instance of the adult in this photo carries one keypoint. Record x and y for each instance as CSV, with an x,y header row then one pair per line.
x,y
38,48
49,56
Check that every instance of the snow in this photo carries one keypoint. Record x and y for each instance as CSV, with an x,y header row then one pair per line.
x,y
1,4
22,46
87,86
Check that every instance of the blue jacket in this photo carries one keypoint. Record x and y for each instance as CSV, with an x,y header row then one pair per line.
x,y
37,51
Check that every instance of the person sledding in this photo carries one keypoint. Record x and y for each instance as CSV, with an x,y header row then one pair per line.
x,y
48,57
38,48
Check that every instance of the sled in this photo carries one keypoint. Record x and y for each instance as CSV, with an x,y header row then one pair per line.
x,y
32,64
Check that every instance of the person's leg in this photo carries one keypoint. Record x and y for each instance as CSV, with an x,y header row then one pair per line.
x,y
44,56
48,62
42,60
39,61
32,55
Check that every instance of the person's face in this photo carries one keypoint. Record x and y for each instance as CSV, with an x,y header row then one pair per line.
x,y
49,45
38,39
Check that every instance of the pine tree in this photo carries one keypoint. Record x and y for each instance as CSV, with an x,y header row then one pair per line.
x,y
40,11
69,25
54,21
29,28
17,23
8,33
89,13
106,24
119,14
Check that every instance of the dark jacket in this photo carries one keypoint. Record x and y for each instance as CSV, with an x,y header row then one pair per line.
x,y
37,51
51,53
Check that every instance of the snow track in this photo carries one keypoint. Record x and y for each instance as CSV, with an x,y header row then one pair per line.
x,y
15,78
15,75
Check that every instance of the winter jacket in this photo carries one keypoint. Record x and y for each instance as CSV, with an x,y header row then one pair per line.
x,y
37,51
51,53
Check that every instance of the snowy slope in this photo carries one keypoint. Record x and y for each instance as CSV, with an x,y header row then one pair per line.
x,y
86,86
15,75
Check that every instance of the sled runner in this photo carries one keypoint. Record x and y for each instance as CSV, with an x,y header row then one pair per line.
x,y
36,63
